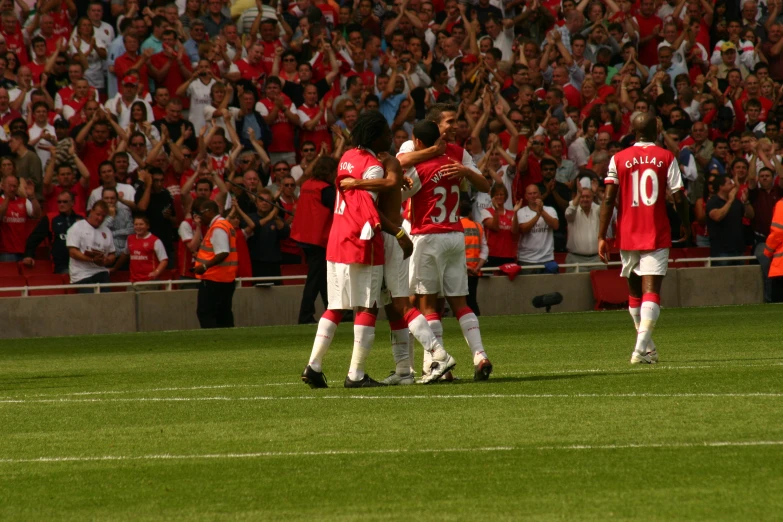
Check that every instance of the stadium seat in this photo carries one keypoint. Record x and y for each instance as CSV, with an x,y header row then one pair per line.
x,y
289,270
9,269
42,266
610,291
11,281
560,259
43,251
121,276
47,280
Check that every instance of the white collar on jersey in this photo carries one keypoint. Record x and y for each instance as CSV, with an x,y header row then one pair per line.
x,y
644,144
367,149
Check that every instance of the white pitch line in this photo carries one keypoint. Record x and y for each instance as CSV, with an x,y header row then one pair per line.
x,y
328,453
400,397
658,367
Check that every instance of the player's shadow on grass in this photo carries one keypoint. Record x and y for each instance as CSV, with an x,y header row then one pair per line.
x,y
727,360
534,378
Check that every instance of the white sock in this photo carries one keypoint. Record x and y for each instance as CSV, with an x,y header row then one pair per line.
x,y
426,363
636,315
470,329
363,337
400,351
424,333
323,339
649,315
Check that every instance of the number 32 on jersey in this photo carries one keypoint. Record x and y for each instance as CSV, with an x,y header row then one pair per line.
x,y
445,206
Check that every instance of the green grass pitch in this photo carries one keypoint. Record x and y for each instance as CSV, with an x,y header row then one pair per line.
x,y
215,425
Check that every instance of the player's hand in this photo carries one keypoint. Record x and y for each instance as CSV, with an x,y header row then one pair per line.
x,y
28,261
199,269
348,183
603,251
406,245
407,183
440,145
455,169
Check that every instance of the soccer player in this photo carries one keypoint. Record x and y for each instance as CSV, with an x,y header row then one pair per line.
x,y
355,251
438,260
404,318
638,179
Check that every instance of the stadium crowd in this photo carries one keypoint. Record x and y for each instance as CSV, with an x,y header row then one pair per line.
x,y
125,112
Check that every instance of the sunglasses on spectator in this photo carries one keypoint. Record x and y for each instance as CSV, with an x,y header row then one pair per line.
x,y
308,149
278,169
137,144
244,161
517,122
63,201
289,184
289,59
537,142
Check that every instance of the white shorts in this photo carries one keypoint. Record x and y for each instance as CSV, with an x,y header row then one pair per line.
x,y
644,262
395,268
438,265
352,285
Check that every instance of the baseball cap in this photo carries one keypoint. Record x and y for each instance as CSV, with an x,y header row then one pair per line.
x,y
469,58
727,46
130,80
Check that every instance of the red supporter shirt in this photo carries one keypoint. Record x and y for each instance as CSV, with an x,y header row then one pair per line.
x,y
269,54
174,77
282,129
355,214
642,173
573,95
125,63
13,227
501,243
648,53
92,155
434,207
15,43
142,256
251,72
320,134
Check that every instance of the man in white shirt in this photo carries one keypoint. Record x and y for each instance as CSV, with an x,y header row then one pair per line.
x,y
91,248
537,224
583,220
120,105
126,194
502,37
199,89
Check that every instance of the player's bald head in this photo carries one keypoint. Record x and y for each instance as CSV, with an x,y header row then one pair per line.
x,y
645,125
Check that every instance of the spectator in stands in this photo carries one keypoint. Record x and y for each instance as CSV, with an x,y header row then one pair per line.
x,y
91,248
279,113
763,194
537,224
310,229
125,192
583,220
502,230
216,266
157,204
18,206
27,162
555,195
724,220
148,257
287,199
118,218
53,227
270,230
66,182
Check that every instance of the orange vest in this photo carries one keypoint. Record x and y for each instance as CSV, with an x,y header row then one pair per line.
x,y
225,271
473,234
774,247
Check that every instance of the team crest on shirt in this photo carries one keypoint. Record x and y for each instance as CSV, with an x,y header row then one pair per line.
x,y
103,234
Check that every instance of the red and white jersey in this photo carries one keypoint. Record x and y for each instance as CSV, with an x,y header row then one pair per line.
x,y
218,164
453,151
13,226
434,206
320,134
282,129
355,235
642,173
145,254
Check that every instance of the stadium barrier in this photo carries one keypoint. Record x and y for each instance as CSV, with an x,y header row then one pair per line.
x,y
146,309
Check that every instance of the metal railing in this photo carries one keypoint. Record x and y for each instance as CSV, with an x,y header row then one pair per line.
x,y
170,284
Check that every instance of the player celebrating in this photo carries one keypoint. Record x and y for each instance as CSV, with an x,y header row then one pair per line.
x,y
438,261
403,317
639,176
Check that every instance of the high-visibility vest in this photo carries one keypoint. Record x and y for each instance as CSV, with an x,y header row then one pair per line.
x,y
774,247
226,270
473,232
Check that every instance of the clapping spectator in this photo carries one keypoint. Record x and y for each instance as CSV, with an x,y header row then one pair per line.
x,y
537,224
501,227
91,248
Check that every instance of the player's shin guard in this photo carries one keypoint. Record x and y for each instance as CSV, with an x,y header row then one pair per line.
x,y
650,311
421,330
323,337
399,338
363,337
470,329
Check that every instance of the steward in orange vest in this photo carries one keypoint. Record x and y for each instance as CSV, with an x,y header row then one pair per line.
x,y
476,252
774,250
216,265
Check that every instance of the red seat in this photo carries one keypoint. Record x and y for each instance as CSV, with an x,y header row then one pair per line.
x,y
560,259
48,280
9,269
290,270
11,281
43,251
610,291
120,276
42,266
